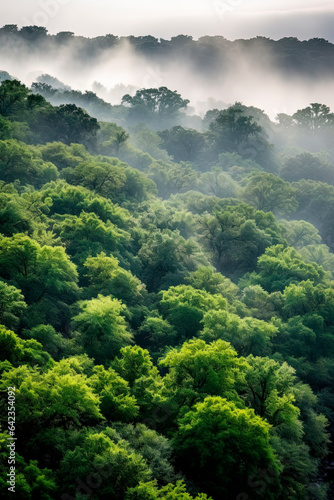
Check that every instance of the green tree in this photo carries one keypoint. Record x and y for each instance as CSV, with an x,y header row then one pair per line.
x,y
241,129
205,278
221,446
184,307
31,482
120,138
304,298
269,193
27,212
218,183
298,432
53,343
315,424
66,123
150,491
63,155
12,305
88,235
163,215
102,178
135,365
299,476
234,128
150,103
116,402
149,141
306,334
34,33
268,389
171,178
278,267
198,370
166,257
102,468
314,118
320,254
111,138
156,334
261,304
107,277
18,351
316,205
247,335
73,200
306,166
14,98
137,188
45,275
61,397
183,144
299,233
102,327
153,447
19,161
236,236
5,129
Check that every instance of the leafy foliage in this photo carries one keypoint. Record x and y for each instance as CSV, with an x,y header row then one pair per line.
x,y
102,327
165,332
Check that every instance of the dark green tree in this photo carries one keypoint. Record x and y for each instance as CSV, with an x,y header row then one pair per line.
x,y
150,103
183,144
221,446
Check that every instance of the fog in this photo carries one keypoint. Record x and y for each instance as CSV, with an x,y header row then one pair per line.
x,y
211,72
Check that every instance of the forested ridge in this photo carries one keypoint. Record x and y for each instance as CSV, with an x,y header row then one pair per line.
x,y
293,56
166,297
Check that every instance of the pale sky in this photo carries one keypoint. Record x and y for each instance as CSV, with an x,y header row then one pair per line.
x,y
231,18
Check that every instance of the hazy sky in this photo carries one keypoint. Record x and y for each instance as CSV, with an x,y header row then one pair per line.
x,y
230,18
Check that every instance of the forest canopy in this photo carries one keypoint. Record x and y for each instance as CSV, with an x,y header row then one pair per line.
x,y
166,294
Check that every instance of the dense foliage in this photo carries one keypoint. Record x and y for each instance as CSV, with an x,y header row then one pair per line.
x,y
166,299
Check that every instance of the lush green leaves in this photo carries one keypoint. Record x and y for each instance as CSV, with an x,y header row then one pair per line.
x,y
198,370
221,445
102,327
279,266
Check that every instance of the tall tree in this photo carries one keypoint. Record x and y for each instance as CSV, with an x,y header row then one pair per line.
x,y
154,103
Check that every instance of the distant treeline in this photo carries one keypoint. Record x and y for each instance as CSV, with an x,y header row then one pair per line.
x,y
289,54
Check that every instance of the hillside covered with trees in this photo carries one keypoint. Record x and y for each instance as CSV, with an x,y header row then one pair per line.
x,y
166,296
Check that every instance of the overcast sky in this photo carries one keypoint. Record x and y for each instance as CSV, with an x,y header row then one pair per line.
x,y
231,18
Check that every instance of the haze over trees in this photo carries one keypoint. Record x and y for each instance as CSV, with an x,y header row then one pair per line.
x,y
166,291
